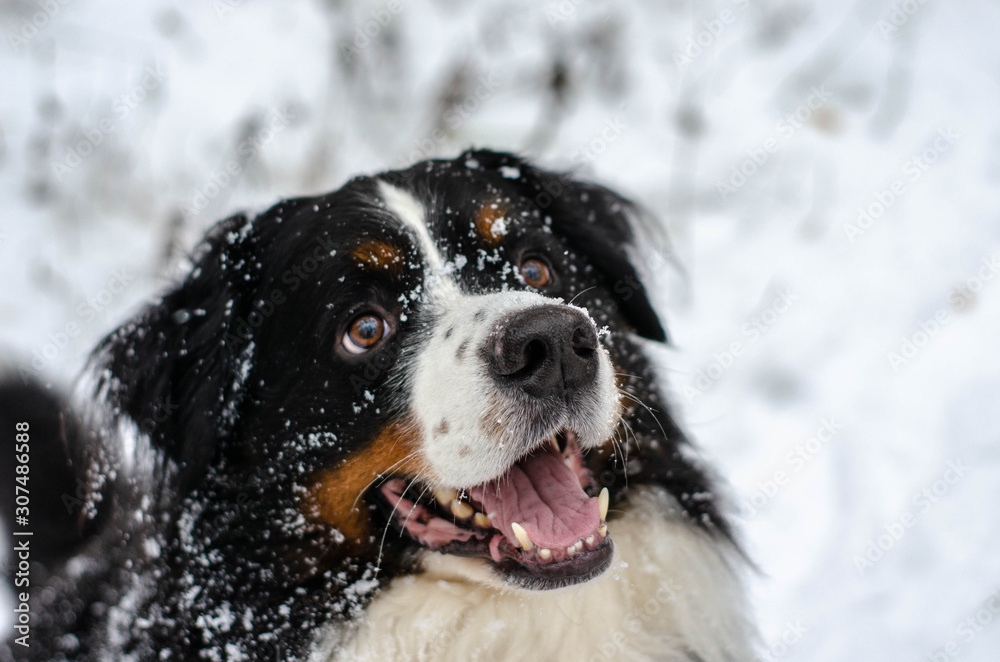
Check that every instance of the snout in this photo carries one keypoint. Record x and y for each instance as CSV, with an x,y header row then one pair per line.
x,y
501,373
546,351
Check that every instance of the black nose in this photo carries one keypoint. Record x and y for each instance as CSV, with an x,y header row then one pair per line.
x,y
545,351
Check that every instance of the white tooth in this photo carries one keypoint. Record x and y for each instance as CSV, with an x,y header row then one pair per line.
x,y
522,536
545,553
578,546
603,530
571,550
589,540
482,520
461,509
445,494
603,501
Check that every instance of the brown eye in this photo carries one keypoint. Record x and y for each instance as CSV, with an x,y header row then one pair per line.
x,y
364,333
535,273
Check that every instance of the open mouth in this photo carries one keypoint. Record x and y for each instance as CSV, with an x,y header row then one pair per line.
x,y
540,523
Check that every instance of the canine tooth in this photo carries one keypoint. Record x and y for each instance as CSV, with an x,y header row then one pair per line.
x,y
555,444
522,536
461,509
603,530
482,520
445,494
546,554
603,501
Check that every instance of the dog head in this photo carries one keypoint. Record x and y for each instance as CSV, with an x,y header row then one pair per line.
x,y
442,360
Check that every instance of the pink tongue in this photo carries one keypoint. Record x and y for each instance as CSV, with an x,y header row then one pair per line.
x,y
542,494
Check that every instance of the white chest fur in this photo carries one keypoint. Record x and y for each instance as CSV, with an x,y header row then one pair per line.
x,y
670,594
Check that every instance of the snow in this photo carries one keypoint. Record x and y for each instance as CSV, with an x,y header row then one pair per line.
x,y
840,153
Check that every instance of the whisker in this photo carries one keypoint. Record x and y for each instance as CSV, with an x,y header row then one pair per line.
x,y
388,524
389,469
618,448
579,293
415,501
381,474
628,429
647,408
634,437
625,374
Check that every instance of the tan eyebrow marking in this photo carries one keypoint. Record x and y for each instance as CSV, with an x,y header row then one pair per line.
x,y
379,255
491,223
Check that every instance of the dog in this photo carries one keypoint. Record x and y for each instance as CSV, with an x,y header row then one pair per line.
x,y
413,419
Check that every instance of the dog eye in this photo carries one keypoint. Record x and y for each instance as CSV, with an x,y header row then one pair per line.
x,y
535,272
364,333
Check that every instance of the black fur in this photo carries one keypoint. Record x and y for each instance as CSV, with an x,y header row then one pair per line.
x,y
233,377
51,482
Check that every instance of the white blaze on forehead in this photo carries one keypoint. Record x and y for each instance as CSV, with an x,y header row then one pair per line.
x,y
408,209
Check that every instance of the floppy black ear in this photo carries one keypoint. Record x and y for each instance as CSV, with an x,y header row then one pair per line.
x,y
178,369
598,223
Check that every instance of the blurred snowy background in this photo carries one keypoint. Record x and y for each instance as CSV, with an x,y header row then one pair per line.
x,y
828,172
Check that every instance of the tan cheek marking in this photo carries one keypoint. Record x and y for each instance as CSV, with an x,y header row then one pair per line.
x,y
335,495
375,254
491,223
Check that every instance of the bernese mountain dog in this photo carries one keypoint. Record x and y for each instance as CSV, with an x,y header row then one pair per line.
x,y
413,419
